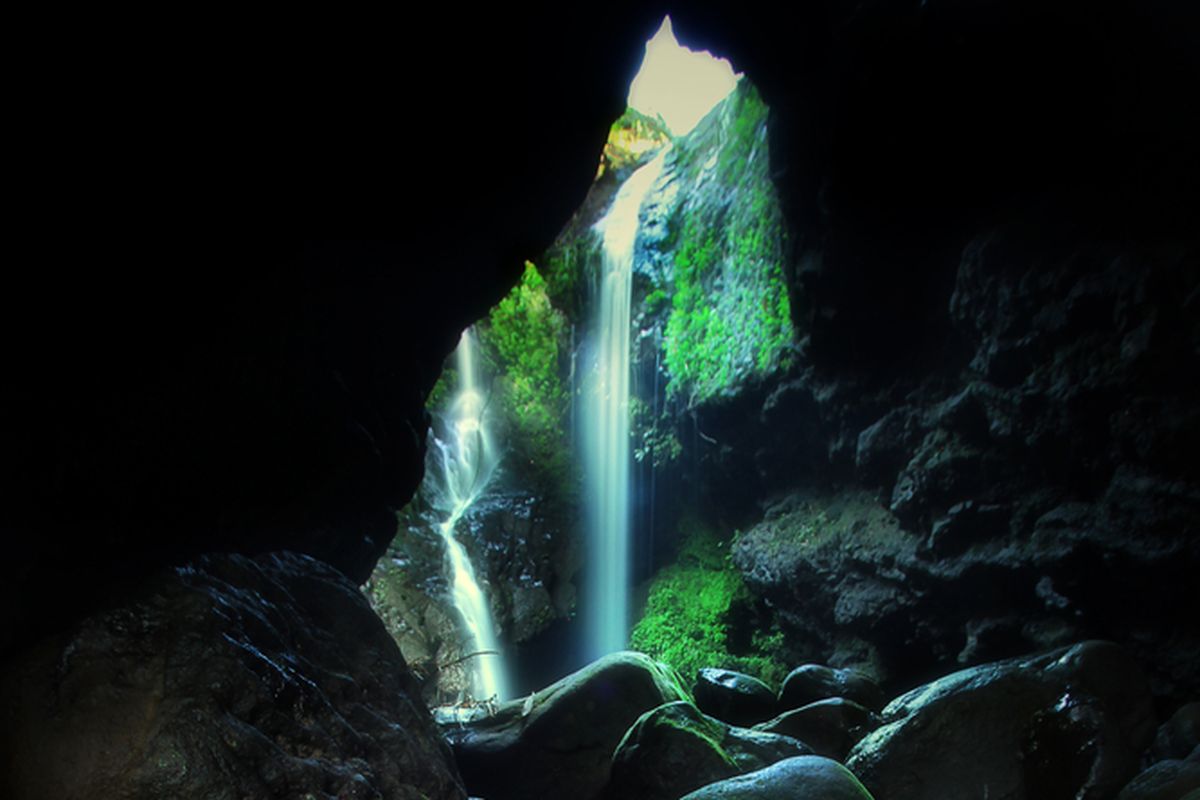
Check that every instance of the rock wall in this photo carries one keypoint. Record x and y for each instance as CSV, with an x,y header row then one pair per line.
x,y
995,283
230,677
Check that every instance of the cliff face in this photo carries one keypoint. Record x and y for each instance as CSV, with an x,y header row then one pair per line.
x,y
982,447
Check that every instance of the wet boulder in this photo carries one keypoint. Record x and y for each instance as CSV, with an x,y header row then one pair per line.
x,y
1068,723
1179,735
733,697
801,777
813,682
229,677
830,727
676,748
1166,780
559,742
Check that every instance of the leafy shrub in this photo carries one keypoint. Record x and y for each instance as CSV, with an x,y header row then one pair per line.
x,y
524,338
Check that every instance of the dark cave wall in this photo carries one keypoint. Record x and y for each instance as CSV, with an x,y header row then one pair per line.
x,y
996,280
177,391
184,373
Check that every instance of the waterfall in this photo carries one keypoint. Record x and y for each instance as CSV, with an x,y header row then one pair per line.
x,y
605,422
459,469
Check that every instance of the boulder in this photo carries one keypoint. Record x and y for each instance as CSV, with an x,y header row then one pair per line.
x,y
559,741
1068,723
227,678
1180,734
830,727
797,778
733,697
813,682
675,749
1166,780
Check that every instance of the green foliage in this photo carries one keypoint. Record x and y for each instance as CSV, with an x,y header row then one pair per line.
x,y
564,268
524,337
654,438
443,389
686,622
631,140
730,318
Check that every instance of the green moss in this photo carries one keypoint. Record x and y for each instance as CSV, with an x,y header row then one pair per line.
x,y
686,622
524,338
565,266
730,318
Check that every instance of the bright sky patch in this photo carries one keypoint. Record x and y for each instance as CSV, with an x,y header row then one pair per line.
x,y
679,84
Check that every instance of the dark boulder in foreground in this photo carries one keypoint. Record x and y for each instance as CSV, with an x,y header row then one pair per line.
x,y
675,749
1167,780
733,697
1068,723
229,678
797,778
830,727
813,682
559,742
1179,735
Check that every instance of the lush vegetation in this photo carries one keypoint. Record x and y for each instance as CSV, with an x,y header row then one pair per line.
x,y
687,618
523,339
631,140
730,318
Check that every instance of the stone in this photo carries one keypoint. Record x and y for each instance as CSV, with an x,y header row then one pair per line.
x,y
230,677
675,749
797,778
1179,735
812,682
1166,780
560,743
1071,722
733,697
830,727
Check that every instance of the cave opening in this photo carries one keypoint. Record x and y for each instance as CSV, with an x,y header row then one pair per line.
x,y
910,438
663,292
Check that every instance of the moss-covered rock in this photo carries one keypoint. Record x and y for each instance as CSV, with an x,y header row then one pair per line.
x,y
688,621
729,320
559,741
676,748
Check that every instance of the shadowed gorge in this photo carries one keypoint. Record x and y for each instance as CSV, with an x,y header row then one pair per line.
x,y
898,408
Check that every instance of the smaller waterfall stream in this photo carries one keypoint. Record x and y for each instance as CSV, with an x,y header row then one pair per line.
x,y
461,465
605,422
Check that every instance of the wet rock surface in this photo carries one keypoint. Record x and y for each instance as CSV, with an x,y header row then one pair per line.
x,y
803,776
1023,490
1179,735
1173,779
228,678
1071,722
812,682
830,727
525,556
559,741
733,697
675,749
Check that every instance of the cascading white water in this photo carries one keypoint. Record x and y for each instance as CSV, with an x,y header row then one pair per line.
x,y
463,464
605,422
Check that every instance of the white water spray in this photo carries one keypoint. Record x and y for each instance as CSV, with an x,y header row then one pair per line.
x,y
464,464
606,422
